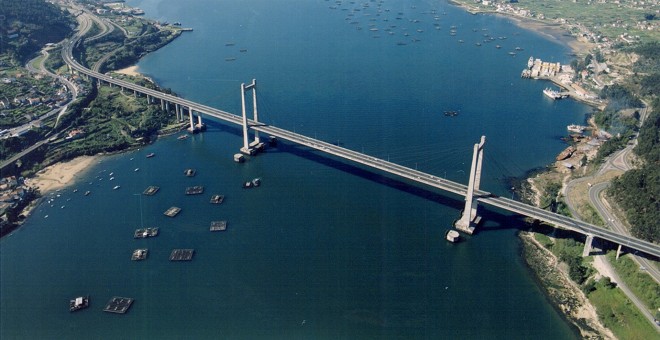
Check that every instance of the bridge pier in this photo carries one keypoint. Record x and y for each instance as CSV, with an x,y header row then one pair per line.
x,y
200,125
191,129
162,105
469,219
618,251
250,148
587,245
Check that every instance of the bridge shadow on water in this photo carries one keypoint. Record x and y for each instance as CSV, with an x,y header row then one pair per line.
x,y
493,219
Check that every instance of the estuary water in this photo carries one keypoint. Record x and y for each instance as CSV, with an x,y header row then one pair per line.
x,y
322,249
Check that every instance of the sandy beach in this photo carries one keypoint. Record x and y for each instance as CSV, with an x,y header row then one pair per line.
x,y
60,175
554,32
129,71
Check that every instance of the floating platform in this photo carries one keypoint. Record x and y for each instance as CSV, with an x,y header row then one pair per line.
x,y
189,172
217,199
151,190
145,232
78,303
196,190
182,254
239,158
139,254
218,225
118,304
173,211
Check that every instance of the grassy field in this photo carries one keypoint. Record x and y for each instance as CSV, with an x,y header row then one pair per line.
x,y
608,19
644,287
619,314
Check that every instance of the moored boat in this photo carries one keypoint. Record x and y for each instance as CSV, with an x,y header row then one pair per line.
x,y
576,128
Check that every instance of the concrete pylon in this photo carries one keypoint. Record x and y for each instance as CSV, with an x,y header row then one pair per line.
x,y
250,147
469,219
192,122
618,251
587,245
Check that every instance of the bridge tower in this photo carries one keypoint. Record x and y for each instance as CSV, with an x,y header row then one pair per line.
x,y
470,219
250,148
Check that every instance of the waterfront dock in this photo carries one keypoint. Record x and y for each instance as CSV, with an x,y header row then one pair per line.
x,y
182,254
218,225
118,305
173,211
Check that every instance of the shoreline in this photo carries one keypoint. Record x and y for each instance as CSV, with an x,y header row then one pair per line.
x,y
129,71
552,31
562,293
62,175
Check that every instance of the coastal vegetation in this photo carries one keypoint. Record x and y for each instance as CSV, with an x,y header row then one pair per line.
x,y
644,287
638,191
617,312
29,24
111,121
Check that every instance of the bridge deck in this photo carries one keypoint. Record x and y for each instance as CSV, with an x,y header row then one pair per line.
x,y
376,163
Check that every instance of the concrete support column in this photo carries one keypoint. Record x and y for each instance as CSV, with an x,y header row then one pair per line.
x,y
162,104
246,144
192,123
618,251
167,106
135,93
176,111
587,245
148,99
199,120
254,108
469,217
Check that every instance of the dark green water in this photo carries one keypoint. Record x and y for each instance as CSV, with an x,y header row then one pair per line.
x,y
322,249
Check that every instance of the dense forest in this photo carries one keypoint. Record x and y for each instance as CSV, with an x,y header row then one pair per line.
x,y
27,25
638,191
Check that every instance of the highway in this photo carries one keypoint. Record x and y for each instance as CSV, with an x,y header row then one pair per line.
x,y
411,174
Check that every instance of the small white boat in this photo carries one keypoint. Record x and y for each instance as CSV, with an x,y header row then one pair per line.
x,y
136,169
116,187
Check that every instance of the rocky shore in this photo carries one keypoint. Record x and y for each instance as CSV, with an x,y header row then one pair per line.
x,y
562,292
